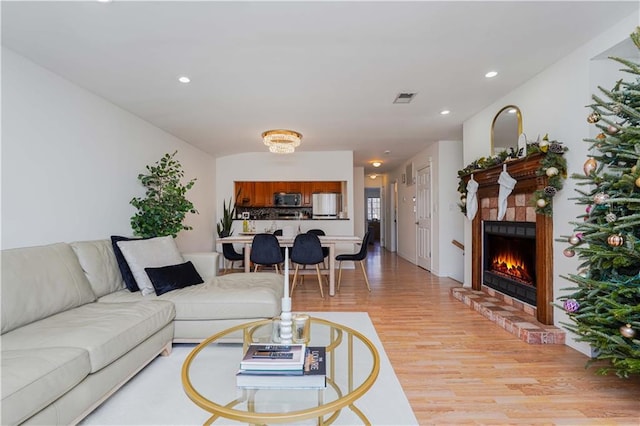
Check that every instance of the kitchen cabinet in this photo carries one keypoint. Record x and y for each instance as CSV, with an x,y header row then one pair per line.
x,y
260,194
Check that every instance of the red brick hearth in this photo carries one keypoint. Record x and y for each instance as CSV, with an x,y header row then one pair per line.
x,y
533,324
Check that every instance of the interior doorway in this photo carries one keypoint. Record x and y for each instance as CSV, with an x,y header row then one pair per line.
x,y
373,208
423,213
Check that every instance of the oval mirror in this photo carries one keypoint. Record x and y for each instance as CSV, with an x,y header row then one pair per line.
x,y
505,129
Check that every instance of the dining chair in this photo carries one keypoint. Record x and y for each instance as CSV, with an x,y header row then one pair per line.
x,y
325,250
265,251
307,250
230,254
355,257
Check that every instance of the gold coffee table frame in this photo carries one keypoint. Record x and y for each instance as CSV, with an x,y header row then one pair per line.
x,y
344,399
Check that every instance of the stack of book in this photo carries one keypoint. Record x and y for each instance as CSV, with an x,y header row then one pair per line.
x,y
283,367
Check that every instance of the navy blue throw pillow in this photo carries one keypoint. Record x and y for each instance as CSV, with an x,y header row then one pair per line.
x,y
173,277
127,275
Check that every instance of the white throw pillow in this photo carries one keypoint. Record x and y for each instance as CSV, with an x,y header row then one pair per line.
x,y
151,253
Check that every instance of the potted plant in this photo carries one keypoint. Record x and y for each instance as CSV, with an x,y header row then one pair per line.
x,y
228,213
164,207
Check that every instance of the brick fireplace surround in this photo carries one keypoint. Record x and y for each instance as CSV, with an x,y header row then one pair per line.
x,y
531,324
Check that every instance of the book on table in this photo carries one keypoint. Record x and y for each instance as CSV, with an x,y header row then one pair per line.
x,y
273,356
311,376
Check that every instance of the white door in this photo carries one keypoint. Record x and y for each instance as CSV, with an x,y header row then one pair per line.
x,y
393,228
423,213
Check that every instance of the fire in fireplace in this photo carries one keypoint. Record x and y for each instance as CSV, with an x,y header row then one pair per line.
x,y
509,259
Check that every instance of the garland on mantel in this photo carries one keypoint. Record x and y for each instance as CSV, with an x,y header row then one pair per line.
x,y
553,165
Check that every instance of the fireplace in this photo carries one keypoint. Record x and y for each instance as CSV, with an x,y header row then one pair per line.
x,y
509,259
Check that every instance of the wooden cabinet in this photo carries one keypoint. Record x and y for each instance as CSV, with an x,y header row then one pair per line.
x,y
260,194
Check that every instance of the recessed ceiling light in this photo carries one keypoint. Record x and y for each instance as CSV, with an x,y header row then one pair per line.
x,y
387,152
104,1
376,164
445,112
373,176
491,74
184,79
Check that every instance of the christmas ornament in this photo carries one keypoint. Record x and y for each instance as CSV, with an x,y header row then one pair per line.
x,y
600,198
544,145
550,191
571,305
573,240
552,171
589,166
541,203
612,130
601,136
638,182
583,273
611,217
627,331
588,209
594,117
556,148
634,169
568,252
615,240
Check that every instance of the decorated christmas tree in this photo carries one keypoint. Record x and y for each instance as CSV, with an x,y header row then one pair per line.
x,y
605,305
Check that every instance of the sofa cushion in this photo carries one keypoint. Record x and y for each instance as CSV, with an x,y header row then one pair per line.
x,y
33,379
41,281
173,277
233,296
125,271
100,266
105,330
154,252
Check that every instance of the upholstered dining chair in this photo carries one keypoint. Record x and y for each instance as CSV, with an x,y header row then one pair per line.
x,y
325,250
265,251
307,250
356,257
230,254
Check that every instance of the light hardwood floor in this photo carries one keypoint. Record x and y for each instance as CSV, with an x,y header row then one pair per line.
x,y
457,367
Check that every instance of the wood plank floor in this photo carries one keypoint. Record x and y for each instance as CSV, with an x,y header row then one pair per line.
x,y
457,367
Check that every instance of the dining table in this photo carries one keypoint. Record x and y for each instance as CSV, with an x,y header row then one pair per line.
x,y
329,241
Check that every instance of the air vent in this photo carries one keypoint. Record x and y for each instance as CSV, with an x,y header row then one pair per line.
x,y
404,98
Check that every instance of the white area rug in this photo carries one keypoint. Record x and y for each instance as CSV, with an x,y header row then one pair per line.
x,y
155,395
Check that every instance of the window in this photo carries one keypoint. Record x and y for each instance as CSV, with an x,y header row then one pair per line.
x,y
373,208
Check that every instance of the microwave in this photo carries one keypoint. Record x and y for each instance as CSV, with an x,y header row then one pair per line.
x,y
287,199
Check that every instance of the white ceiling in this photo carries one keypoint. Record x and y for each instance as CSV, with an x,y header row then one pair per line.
x,y
329,70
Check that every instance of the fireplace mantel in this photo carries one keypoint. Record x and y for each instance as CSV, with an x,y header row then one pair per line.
x,y
524,170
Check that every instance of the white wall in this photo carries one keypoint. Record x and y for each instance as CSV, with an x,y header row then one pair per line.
x,y
553,102
70,162
446,259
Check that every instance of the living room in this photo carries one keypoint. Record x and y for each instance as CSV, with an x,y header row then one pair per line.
x,y
70,158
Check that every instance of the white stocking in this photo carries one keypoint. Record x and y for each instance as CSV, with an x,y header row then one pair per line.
x,y
472,198
506,186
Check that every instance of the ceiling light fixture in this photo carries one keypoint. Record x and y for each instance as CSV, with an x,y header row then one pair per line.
x,y
445,112
281,141
373,176
512,111
376,164
404,98
491,74
184,79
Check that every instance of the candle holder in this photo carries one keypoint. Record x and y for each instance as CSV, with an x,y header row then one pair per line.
x,y
286,334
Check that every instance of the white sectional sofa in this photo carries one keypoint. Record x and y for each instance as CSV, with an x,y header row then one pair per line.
x,y
72,334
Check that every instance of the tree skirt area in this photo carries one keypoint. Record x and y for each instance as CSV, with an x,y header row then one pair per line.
x,y
155,395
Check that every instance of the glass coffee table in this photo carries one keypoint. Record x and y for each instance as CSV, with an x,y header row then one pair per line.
x,y
209,376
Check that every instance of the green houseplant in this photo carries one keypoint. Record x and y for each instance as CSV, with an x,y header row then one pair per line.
x,y
228,213
164,207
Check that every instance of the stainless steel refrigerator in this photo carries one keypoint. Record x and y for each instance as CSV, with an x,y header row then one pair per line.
x,y
326,205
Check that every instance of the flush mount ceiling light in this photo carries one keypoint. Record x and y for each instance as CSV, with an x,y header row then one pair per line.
x,y
281,141
445,112
491,74
376,163
404,98
184,79
373,176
